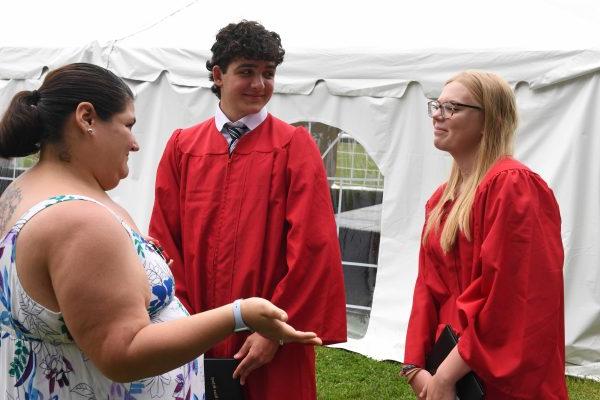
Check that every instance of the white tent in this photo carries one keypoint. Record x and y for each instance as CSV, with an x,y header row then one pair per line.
x,y
366,69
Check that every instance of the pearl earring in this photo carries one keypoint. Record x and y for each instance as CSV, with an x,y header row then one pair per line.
x,y
90,131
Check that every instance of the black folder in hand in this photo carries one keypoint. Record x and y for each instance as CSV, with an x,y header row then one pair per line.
x,y
468,387
218,379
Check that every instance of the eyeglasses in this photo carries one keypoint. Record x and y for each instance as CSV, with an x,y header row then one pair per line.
x,y
447,109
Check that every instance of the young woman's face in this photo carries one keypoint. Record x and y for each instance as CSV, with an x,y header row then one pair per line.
x,y
460,133
246,86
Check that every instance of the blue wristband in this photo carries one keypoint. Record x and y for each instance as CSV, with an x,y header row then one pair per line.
x,y
240,325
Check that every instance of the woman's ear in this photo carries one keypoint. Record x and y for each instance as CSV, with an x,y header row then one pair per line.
x,y
85,117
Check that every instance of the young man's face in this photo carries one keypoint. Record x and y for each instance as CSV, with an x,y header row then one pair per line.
x,y
246,86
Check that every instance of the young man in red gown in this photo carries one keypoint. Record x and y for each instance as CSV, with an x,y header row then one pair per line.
x,y
243,207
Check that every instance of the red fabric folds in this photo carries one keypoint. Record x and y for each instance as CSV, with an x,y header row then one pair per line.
x,y
258,223
502,291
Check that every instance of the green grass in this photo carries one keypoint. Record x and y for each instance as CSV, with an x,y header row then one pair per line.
x,y
583,389
352,161
345,375
342,375
28,162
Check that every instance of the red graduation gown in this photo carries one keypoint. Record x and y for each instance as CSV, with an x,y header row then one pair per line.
x,y
502,292
258,223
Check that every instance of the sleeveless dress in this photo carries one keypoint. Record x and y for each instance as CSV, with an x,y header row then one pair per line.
x,y
39,359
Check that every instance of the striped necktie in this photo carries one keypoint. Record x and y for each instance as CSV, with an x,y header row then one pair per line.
x,y
235,132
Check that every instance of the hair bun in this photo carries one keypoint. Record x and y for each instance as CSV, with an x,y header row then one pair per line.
x,y
34,97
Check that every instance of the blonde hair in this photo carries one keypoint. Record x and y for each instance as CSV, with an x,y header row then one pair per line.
x,y
500,122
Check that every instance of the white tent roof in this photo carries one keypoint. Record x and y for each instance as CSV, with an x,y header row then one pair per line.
x,y
374,50
349,74
312,24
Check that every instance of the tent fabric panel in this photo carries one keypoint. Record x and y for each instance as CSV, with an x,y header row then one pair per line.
x,y
346,74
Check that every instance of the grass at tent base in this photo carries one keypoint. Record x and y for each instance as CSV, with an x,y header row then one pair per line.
x,y
343,375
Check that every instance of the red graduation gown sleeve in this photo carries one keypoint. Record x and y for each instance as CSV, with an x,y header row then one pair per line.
x,y
165,221
513,313
312,248
423,320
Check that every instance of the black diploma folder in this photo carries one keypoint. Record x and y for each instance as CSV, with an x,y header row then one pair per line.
x,y
218,379
468,387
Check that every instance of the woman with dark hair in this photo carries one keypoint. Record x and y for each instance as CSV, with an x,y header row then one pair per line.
x,y
491,258
86,302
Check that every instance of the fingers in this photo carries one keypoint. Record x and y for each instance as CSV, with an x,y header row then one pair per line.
x,y
304,338
243,351
158,248
308,338
256,352
423,394
316,341
282,315
269,320
285,332
242,371
289,334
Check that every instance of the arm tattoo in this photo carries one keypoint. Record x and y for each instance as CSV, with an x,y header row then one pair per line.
x,y
8,204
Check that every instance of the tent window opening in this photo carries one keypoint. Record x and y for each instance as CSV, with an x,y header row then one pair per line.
x,y
356,187
10,169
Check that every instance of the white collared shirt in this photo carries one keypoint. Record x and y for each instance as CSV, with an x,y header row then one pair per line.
x,y
250,120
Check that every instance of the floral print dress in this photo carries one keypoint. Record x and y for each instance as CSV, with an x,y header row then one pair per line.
x,y
40,361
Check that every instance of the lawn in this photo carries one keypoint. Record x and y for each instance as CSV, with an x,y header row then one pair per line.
x,y
342,375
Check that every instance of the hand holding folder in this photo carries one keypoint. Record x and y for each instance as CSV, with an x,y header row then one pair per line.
x,y
468,387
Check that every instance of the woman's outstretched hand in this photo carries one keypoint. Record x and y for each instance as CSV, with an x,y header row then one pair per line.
x,y
270,321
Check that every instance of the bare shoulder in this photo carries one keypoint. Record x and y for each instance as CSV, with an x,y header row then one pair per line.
x,y
82,230
122,212
74,221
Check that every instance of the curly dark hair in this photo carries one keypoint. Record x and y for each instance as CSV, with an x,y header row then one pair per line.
x,y
246,39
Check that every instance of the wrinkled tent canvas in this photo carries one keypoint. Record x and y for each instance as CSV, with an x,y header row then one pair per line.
x,y
368,72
